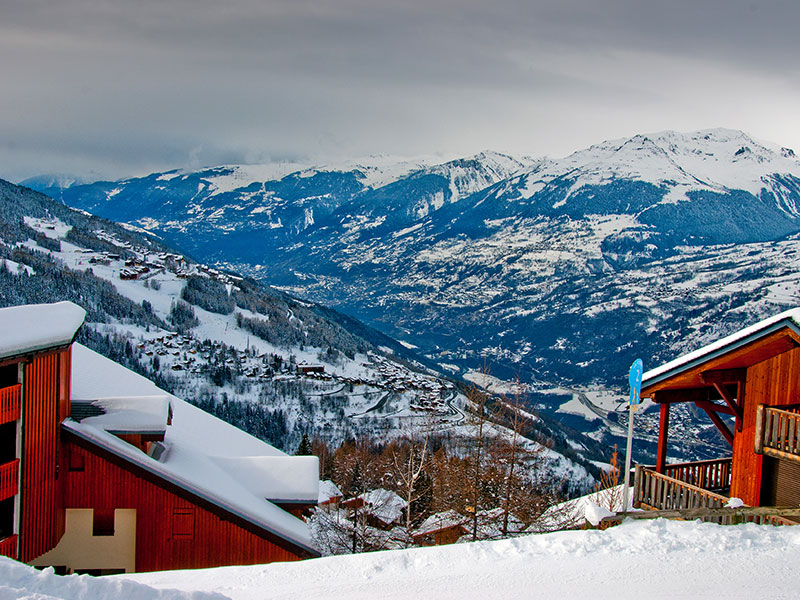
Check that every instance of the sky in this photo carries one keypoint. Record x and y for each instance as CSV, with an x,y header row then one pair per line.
x,y
116,88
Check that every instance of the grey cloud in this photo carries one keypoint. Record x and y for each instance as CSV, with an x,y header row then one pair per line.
x,y
149,82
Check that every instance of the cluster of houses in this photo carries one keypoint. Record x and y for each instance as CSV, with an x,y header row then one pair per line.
x,y
379,518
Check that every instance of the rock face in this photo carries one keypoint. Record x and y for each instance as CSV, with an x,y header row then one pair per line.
x,y
558,270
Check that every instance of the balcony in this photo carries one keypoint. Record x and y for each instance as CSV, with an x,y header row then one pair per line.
x,y
703,484
10,403
8,546
9,479
778,432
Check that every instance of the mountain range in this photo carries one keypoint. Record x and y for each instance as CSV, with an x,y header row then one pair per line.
x,y
559,272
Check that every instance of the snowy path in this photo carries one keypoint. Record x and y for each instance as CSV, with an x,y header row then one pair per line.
x,y
657,559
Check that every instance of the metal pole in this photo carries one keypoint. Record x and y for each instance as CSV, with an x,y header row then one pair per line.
x,y
628,452
635,380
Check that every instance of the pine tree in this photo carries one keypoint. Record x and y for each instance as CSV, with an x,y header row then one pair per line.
x,y
304,449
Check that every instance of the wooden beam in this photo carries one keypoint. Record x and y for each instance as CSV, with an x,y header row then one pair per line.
x,y
685,395
724,376
729,399
723,429
663,426
717,408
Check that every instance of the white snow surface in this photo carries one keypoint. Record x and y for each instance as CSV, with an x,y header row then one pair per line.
x,y
792,315
638,559
204,454
21,582
38,326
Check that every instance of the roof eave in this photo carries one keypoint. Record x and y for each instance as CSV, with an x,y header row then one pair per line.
x,y
716,353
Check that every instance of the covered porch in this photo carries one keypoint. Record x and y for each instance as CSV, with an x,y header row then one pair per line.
x,y
748,385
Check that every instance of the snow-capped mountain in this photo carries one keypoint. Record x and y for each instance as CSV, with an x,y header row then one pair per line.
x,y
273,365
560,271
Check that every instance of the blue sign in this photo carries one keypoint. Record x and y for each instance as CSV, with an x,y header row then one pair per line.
x,y
635,379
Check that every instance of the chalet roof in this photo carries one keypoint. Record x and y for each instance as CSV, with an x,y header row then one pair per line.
x,y
37,327
204,455
328,490
386,505
788,319
439,521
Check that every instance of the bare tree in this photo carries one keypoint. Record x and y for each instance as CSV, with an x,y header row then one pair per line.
x,y
407,460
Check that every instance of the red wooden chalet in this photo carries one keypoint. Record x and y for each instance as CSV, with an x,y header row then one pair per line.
x,y
749,386
102,472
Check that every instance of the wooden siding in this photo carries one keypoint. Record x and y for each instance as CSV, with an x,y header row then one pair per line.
x,y
173,530
9,479
773,382
9,403
8,546
44,396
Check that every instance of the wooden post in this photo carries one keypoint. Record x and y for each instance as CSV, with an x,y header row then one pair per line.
x,y
663,426
759,449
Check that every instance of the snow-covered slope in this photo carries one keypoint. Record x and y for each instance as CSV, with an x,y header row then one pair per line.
x,y
635,560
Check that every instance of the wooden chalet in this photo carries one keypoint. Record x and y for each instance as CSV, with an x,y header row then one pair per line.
x,y
103,472
749,386
441,528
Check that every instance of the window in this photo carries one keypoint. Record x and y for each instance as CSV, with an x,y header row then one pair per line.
x,y
183,523
103,522
8,442
9,375
6,518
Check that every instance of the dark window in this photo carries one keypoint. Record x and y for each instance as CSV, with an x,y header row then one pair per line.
x,y
103,523
7,518
9,375
8,442
183,523
98,572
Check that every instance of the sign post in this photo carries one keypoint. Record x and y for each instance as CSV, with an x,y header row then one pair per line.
x,y
635,380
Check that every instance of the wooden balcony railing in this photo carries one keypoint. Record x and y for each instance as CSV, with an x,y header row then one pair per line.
x,y
778,432
9,403
661,492
8,546
711,475
9,479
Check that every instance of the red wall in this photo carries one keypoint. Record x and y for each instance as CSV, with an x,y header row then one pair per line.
x,y
45,404
172,531
772,382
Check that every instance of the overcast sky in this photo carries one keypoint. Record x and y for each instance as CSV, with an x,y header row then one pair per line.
x,y
111,88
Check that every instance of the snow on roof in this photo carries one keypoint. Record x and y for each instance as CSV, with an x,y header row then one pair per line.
x,y
276,478
789,318
384,504
35,327
439,521
135,414
328,490
572,513
201,450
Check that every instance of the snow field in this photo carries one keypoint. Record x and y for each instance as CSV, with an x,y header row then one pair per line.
x,y
654,559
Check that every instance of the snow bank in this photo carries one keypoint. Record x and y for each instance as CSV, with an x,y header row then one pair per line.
x,y
18,581
634,560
